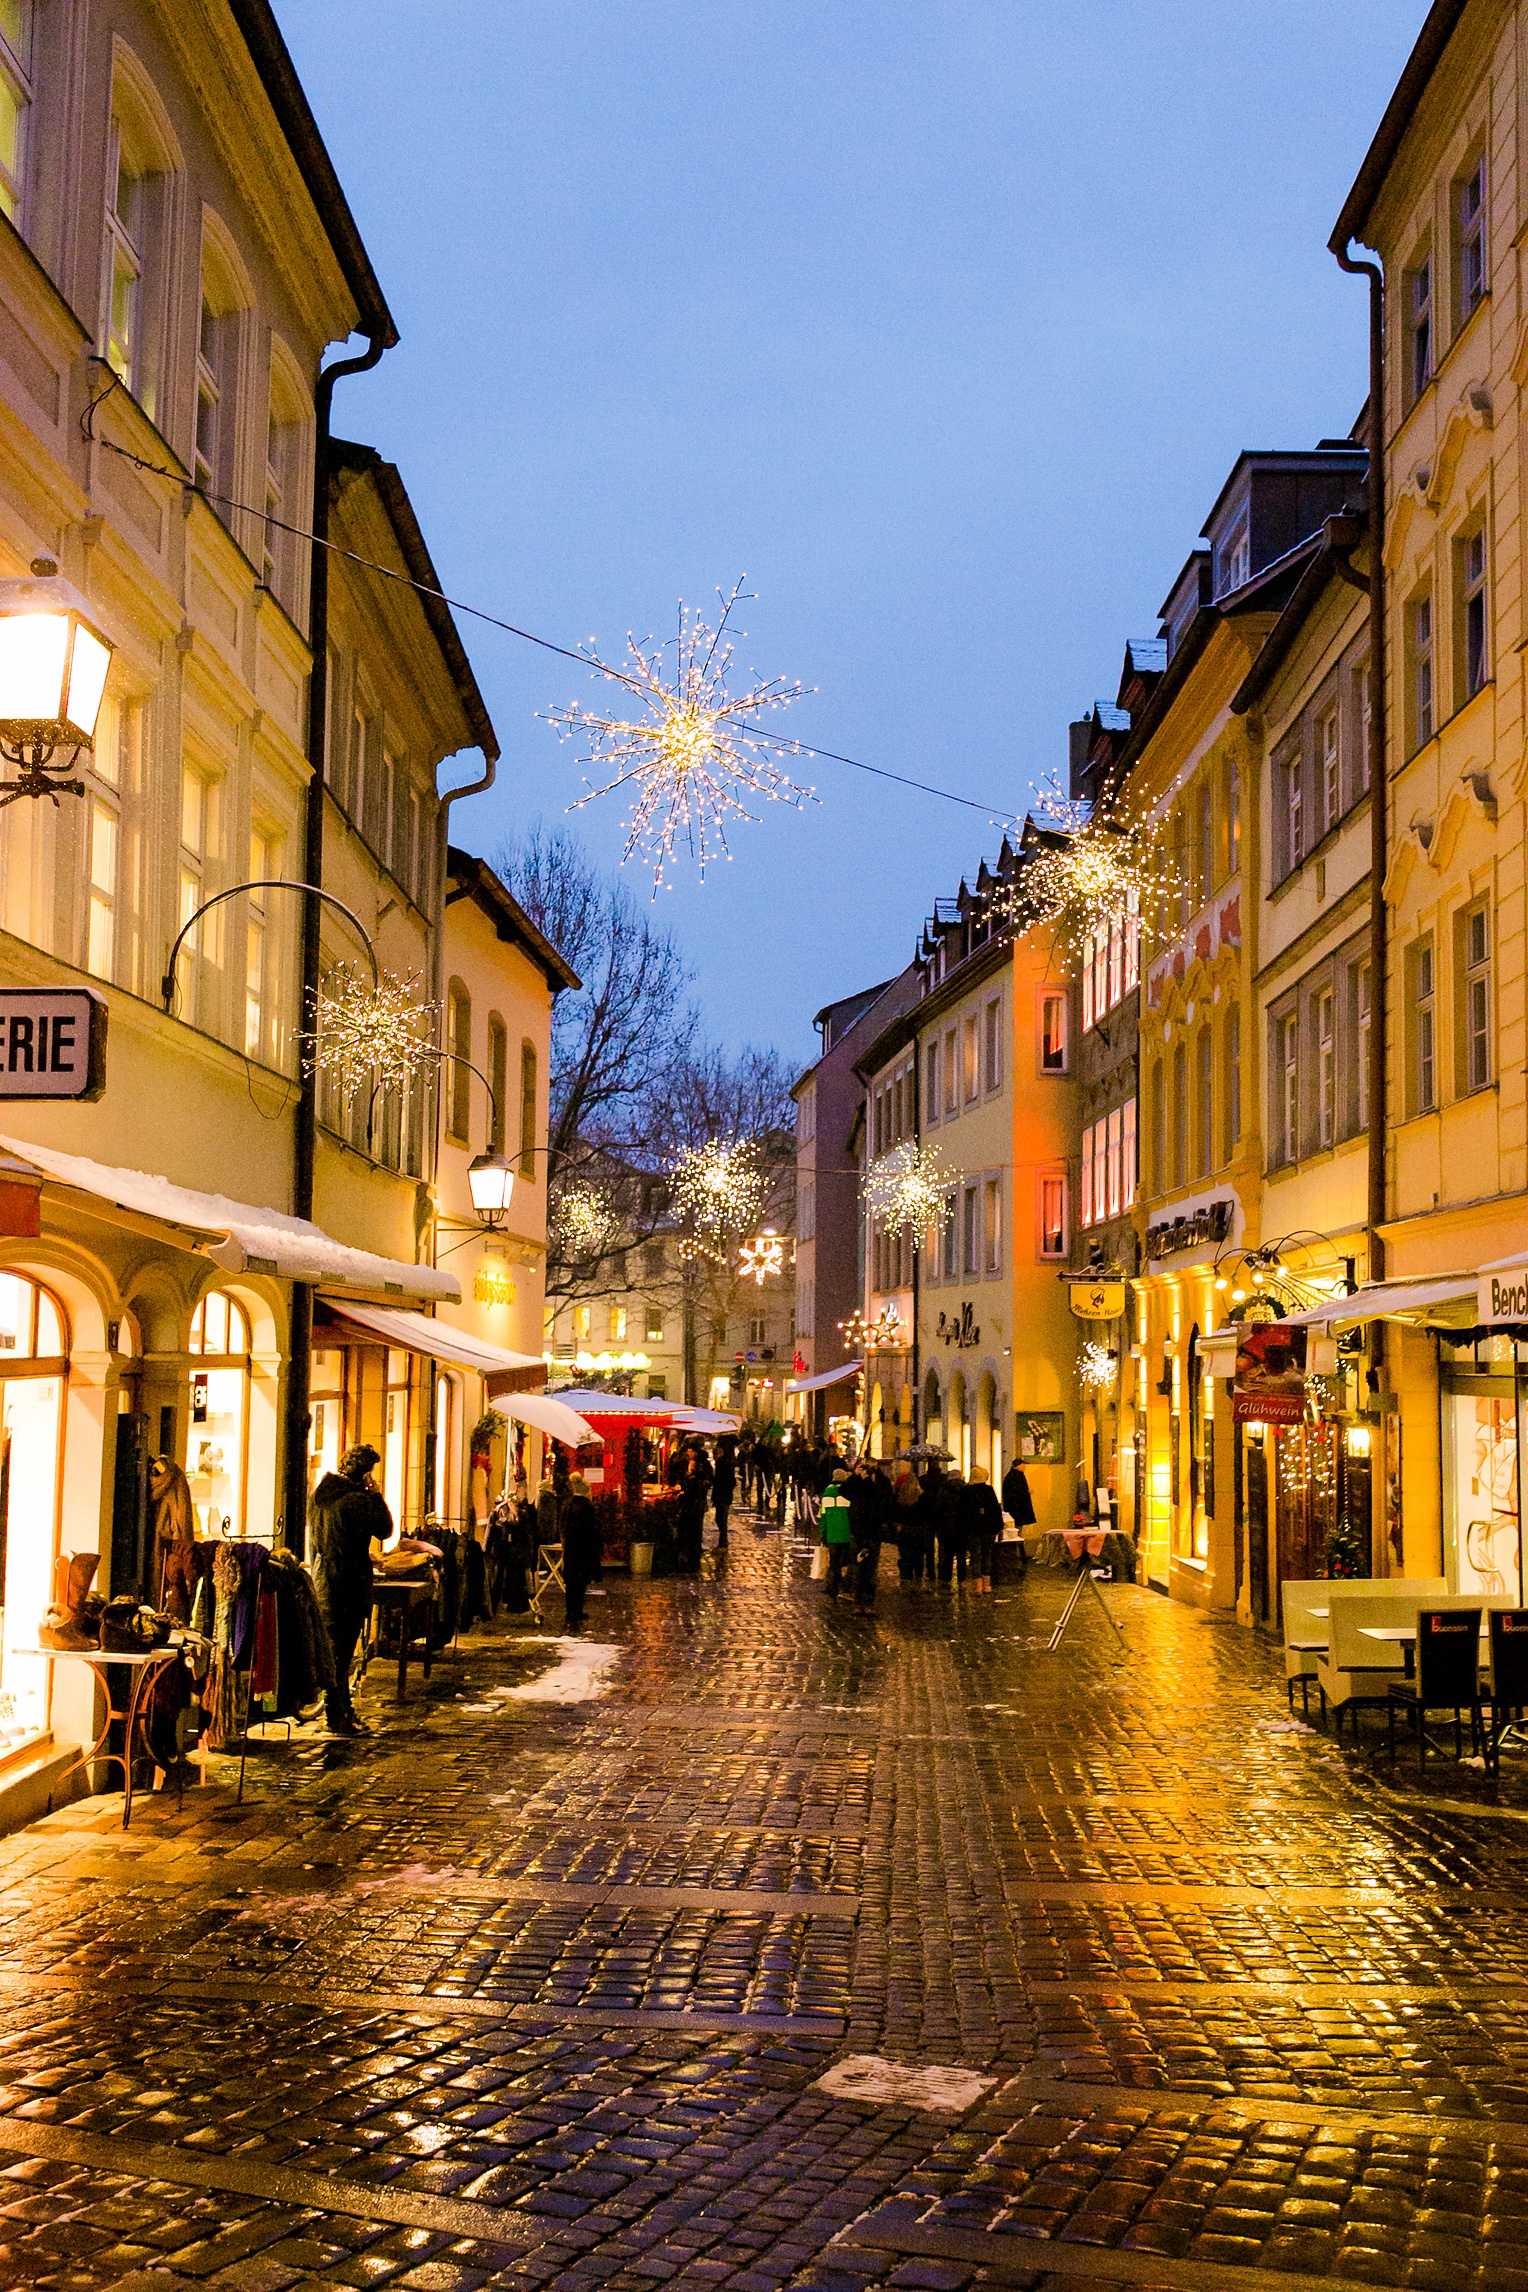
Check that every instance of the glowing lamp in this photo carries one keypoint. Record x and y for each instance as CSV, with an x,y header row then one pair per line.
x,y
53,663
492,1181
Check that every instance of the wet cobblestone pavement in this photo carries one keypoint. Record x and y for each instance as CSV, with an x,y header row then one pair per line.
x,y
519,1992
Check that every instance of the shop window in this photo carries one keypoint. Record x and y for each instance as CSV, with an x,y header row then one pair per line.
x,y
217,1458
33,1374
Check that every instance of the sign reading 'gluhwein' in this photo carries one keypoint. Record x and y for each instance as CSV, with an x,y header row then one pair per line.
x,y
1270,1374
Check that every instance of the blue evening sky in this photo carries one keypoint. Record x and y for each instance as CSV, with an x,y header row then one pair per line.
x,y
942,322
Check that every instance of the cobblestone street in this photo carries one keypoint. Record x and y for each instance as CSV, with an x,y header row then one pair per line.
x,y
520,1991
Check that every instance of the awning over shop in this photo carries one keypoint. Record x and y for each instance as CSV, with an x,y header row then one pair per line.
x,y
421,1333
234,1235
673,1416
705,1420
823,1377
1427,1302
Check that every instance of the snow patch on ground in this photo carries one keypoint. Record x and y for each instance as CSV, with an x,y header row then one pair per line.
x,y
866,2077
580,1673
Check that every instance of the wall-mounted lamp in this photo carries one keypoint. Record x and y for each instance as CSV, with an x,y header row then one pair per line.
x,y
492,1181
1359,1440
53,663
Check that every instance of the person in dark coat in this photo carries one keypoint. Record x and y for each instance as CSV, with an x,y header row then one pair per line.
x,y
581,1548
346,1515
724,1484
1019,1506
982,1519
942,1495
915,1558
869,1506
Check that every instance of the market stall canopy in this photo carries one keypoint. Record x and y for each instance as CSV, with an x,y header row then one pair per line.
x,y
421,1333
553,1418
675,1416
704,1420
1435,1302
823,1377
234,1235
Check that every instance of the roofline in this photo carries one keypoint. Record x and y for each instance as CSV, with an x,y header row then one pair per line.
x,y
501,907
1169,685
1442,22
872,997
1314,454
1277,645
272,60
909,1025
421,570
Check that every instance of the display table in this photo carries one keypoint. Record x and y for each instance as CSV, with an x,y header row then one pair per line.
x,y
144,1668
405,1611
1064,1547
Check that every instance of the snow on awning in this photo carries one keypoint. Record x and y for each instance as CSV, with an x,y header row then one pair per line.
x,y
421,1333
1424,1301
236,1236
823,1377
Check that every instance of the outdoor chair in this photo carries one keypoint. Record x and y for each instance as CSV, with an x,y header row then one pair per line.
x,y
1506,1696
1447,1678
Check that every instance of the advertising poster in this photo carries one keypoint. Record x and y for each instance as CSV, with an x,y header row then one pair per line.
x,y
1270,1374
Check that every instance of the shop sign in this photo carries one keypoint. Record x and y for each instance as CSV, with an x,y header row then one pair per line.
x,y
1098,1300
1040,1438
52,1042
1270,1374
959,1328
1503,1296
492,1284
1212,1223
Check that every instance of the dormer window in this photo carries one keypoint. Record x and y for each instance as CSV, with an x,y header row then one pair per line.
x,y
1233,564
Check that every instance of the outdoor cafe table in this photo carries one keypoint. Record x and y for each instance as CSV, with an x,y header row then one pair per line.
x,y
143,1667
1403,1636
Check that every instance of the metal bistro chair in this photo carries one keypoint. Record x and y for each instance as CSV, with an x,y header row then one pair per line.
x,y
1507,1695
1447,1677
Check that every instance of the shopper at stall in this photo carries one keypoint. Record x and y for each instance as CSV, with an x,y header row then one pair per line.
x,y
982,1520
346,1515
1019,1506
581,1550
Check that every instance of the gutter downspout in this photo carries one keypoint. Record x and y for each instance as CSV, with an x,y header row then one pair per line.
x,y
1379,856
305,1142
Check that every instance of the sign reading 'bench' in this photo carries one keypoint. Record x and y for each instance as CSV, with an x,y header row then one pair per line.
x,y
52,1042
1503,1296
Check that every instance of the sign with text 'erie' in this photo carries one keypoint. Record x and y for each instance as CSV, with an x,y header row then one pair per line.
x,y
52,1042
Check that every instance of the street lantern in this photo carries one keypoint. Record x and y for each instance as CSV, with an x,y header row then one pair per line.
x,y
53,663
492,1182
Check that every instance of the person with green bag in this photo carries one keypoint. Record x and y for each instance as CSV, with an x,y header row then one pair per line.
x,y
833,1524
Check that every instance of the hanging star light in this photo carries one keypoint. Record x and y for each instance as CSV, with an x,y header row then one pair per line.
x,y
1091,872
1096,1367
906,1189
371,1031
720,1185
886,1330
761,1257
854,1332
583,1222
695,754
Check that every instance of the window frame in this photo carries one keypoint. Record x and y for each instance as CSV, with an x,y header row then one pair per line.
x,y
1422,1024
1057,1000
1476,998
1052,1231
1471,243
1417,309
1421,669
16,72
1473,591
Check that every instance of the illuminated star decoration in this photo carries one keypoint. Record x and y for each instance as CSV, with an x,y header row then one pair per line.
x,y
886,1329
382,1031
695,755
1096,1367
761,1257
854,1331
583,1222
719,1186
905,1190
1106,868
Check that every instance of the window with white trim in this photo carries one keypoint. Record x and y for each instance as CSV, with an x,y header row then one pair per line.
x,y
16,93
931,1084
1477,998
1329,767
1474,650
1287,1073
126,203
1470,227
1053,1046
1053,1237
1359,977
1423,1029
992,1224
1326,1066
992,1044
1129,1174
1419,326
1419,647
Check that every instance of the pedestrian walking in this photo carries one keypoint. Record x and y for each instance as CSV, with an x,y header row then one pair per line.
x,y
833,1521
346,1515
724,1485
982,1519
942,1494
915,1559
580,1548
1019,1506
869,1506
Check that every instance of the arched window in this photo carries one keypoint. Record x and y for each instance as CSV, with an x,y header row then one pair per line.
x,y
141,160
498,1075
459,1043
217,1449
527,1110
34,1348
226,300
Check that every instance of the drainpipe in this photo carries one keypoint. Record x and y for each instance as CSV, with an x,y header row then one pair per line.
x,y
1378,789
300,1361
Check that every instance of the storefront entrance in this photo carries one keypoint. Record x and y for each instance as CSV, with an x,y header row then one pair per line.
x,y
33,1370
